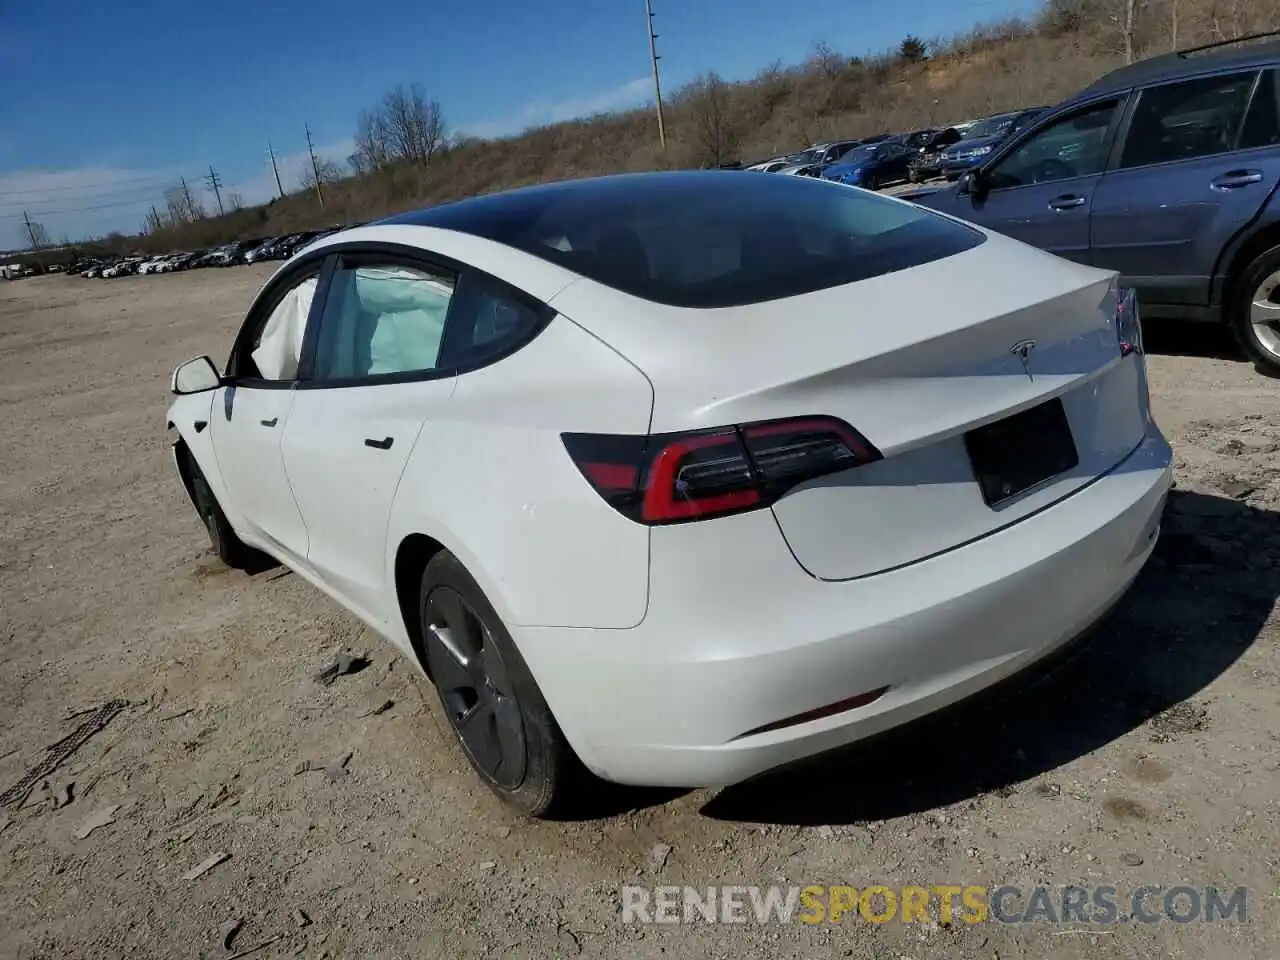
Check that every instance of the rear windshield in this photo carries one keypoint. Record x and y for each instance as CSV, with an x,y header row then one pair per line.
x,y
714,239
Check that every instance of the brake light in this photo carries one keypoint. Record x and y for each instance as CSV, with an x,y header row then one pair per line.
x,y
675,477
1128,324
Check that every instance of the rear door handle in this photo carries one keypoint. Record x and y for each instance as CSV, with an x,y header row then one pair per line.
x,y
1236,178
383,444
1066,202
271,423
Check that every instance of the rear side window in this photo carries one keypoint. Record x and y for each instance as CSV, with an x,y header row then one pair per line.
x,y
1262,124
382,319
712,239
1188,119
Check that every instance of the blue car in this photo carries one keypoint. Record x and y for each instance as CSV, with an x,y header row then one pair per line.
x,y
983,137
1166,171
872,166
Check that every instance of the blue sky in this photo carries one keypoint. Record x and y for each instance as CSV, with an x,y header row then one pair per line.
x,y
104,103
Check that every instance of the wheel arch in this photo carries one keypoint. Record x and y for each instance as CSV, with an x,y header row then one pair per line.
x,y
412,555
1248,247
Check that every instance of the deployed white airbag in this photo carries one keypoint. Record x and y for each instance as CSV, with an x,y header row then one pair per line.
x,y
408,311
280,346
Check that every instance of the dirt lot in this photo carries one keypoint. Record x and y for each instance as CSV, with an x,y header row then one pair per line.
x,y
1152,759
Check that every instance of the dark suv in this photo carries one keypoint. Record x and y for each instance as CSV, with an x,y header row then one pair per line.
x,y
1164,170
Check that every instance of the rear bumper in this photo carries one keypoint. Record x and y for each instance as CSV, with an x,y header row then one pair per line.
x,y
739,637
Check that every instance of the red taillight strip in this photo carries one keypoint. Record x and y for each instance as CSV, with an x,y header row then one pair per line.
x,y
830,710
659,499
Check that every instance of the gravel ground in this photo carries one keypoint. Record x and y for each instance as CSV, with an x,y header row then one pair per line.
x,y
1150,759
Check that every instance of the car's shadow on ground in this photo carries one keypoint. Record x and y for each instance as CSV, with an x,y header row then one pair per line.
x,y
1186,338
1197,607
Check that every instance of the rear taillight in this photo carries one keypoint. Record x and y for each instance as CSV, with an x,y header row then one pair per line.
x,y
1128,324
673,477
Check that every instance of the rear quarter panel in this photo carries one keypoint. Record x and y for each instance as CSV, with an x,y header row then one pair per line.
x,y
492,482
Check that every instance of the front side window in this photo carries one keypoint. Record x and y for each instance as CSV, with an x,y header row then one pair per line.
x,y
382,319
1188,119
270,344
1075,146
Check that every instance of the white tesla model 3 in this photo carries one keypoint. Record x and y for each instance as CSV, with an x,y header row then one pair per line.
x,y
685,475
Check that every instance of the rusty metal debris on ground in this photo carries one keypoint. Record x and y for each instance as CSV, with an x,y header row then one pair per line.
x,y
58,753
343,665
204,866
381,708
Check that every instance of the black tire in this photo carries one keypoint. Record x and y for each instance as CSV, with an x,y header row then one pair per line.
x,y
231,550
913,176
871,182
491,701
1260,280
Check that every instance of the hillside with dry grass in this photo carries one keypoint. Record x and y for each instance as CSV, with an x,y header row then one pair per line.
x,y
995,67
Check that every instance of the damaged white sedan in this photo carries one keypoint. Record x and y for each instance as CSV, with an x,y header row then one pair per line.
x,y
679,477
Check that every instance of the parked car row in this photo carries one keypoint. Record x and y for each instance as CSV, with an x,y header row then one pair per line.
x,y
227,255
918,156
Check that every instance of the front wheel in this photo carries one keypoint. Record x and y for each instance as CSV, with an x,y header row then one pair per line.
x,y
1255,312
231,550
488,695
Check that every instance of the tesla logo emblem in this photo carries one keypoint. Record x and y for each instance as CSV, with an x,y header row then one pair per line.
x,y
1022,350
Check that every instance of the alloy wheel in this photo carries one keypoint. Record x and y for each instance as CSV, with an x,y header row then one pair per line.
x,y
1264,314
475,687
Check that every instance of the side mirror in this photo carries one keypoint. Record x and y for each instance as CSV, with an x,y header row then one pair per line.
x,y
195,376
974,184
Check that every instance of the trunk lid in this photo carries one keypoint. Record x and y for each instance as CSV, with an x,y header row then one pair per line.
x,y
915,361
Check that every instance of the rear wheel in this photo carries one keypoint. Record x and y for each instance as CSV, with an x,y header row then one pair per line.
x,y
1255,313
871,182
489,697
231,550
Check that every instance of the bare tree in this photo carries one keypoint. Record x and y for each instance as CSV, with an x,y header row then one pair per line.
x,y
181,207
329,172
235,201
708,103
407,126
826,61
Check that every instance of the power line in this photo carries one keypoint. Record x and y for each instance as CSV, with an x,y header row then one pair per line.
x,y
100,206
104,187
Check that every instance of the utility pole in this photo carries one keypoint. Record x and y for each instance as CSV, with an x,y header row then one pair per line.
x,y
315,167
653,60
156,222
275,169
1128,31
31,231
191,207
216,185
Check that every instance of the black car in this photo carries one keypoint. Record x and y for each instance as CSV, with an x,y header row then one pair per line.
x,y
927,162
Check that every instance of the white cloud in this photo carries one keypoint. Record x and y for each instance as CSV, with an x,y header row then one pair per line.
x,y
541,112
78,202
95,200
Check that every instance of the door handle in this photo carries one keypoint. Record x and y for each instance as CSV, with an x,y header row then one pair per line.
x,y
1236,178
1066,202
271,423
383,444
